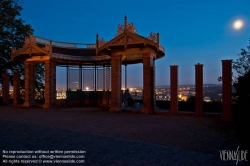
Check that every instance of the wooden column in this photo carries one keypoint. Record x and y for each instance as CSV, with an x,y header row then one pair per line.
x,y
149,106
115,83
174,89
29,77
226,90
50,84
5,88
16,88
199,89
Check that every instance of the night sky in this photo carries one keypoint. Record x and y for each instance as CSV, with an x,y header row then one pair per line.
x,y
191,31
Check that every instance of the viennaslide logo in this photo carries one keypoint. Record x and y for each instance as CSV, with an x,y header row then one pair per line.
x,y
233,155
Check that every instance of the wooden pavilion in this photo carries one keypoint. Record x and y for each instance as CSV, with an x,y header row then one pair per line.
x,y
127,47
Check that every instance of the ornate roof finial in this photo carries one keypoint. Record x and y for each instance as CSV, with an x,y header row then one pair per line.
x,y
97,36
125,22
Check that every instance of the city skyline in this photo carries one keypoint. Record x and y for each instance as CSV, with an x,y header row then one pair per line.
x,y
192,32
210,92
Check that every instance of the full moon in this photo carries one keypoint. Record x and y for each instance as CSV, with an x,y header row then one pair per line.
x,y
238,24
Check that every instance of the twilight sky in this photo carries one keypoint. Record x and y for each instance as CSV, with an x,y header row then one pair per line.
x,y
193,31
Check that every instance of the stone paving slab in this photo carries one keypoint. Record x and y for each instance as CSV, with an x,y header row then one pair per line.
x,y
100,150
117,138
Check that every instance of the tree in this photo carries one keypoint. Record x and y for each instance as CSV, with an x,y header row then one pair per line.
x,y
191,99
242,87
242,95
242,81
13,30
242,64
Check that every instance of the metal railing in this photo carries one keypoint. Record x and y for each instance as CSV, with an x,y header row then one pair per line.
x,y
44,41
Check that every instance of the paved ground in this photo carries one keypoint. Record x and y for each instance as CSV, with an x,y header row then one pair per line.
x,y
122,138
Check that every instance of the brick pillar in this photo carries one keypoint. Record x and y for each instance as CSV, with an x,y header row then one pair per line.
x,y
174,89
16,88
29,78
199,89
50,84
149,105
115,83
226,90
5,87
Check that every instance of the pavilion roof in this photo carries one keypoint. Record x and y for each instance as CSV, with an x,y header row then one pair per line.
x,y
128,43
37,48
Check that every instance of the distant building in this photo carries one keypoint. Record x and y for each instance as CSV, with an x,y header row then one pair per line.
x,y
207,99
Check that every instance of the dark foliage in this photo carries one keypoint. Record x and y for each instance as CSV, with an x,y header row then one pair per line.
x,y
241,98
186,106
163,104
242,81
13,31
242,87
191,99
242,64
212,107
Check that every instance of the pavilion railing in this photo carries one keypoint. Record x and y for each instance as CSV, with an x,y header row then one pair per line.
x,y
92,78
44,41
